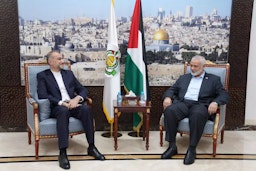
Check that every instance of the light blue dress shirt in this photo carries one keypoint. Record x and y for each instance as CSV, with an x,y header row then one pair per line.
x,y
194,88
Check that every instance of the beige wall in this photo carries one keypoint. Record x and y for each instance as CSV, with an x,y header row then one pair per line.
x,y
250,110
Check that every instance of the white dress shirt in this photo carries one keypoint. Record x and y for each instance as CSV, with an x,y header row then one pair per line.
x,y
63,90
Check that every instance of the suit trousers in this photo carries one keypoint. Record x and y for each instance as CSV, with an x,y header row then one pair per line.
x,y
62,115
197,114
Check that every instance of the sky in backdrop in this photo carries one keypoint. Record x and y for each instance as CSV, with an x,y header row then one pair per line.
x,y
63,9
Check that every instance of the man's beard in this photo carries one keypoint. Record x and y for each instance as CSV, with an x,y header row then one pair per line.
x,y
61,66
198,73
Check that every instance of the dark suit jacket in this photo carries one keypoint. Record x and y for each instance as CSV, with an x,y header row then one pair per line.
x,y
47,87
211,90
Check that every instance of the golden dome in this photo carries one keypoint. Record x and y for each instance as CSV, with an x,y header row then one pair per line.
x,y
161,35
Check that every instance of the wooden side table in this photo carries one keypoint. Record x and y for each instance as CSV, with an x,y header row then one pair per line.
x,y
126,107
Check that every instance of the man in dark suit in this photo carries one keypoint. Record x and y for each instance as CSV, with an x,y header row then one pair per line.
x,y
195,95
66,95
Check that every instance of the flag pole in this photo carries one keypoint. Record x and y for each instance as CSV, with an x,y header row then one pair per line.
x,y
111,130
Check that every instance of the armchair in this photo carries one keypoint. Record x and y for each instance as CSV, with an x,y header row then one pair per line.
x,y
212,128
39,122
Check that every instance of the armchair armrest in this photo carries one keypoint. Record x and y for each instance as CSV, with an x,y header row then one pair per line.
x,y
161,122
219,121
32,113
88,100
32,101
222,111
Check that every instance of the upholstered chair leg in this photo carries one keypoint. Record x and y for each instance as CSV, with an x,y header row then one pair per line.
x,y
214,145
36,148
29,136
222,136
161,137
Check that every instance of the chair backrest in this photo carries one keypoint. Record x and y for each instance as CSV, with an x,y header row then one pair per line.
x,y
30,72
221,70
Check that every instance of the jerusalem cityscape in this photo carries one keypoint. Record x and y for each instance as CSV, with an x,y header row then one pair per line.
x,y
170,39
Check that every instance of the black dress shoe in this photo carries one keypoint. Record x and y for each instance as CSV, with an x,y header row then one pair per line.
x,y
93,151
171,151
63,161
190,157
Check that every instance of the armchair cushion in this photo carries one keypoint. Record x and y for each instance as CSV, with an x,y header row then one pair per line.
x,y
184,125
48,126
43,108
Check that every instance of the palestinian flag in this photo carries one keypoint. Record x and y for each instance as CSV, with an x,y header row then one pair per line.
x,y
135,76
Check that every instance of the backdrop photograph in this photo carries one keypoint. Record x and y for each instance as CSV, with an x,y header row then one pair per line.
x,y
174,32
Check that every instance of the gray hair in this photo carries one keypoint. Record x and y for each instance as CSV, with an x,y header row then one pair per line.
x,y
200,58
49,55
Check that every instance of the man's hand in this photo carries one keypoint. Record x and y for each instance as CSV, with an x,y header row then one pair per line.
x,y
73,103
66,104
167,102
212,108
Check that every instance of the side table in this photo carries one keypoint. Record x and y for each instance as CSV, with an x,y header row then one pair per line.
x,y
126,107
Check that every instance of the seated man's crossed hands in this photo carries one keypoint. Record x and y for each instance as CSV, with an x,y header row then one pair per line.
x,y
72,103
212,109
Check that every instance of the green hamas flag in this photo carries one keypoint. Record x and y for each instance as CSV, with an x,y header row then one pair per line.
x,y
135,76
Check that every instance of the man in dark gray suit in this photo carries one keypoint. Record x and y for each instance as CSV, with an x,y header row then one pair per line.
x,y
195,95
66,96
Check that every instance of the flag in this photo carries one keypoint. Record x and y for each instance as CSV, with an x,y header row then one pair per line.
x,y
135,76
112,70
